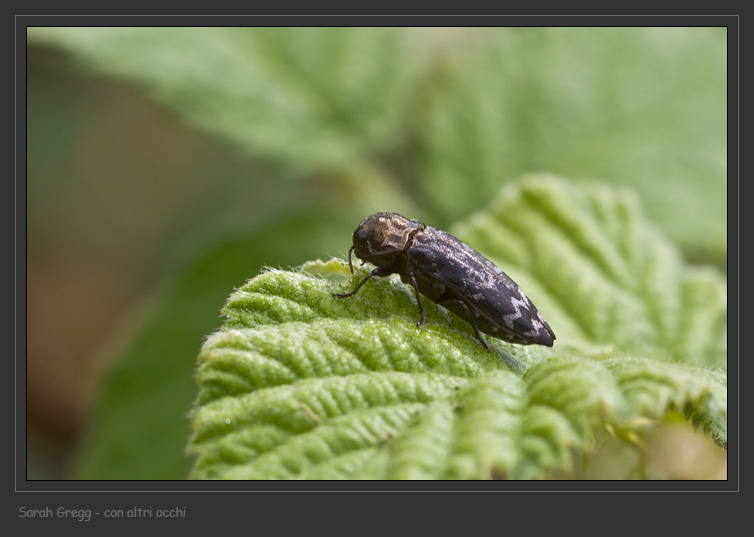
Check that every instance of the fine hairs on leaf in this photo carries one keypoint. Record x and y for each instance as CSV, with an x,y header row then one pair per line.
x,y
299,385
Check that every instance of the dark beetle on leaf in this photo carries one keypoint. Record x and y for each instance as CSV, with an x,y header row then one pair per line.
x,y
450,273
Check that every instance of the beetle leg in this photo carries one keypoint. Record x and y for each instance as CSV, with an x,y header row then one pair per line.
x,y
375,272
470,319
418,300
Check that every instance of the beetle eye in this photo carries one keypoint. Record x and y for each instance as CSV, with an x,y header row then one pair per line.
x,y
360,235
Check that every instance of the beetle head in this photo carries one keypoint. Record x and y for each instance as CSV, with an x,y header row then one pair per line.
x,y
382,237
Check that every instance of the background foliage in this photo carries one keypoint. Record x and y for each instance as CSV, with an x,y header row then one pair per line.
x,y
309,130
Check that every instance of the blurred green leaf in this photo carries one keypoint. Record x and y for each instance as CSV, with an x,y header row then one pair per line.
x,y
644,107
304,97
299,384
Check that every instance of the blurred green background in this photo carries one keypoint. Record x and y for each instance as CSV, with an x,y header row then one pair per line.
x,y
168,165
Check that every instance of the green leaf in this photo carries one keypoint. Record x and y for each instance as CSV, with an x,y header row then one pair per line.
x,y
641,107
298,384
304,97
600,272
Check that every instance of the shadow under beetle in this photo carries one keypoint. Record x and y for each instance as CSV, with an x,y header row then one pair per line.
x,y
450,273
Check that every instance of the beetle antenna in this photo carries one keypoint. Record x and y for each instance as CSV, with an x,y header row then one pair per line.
x,y
350,265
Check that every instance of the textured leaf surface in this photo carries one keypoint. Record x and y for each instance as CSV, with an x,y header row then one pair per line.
x,y
601,272
300,385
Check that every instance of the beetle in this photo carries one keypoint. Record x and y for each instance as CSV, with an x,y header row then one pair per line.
x,y
451,274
